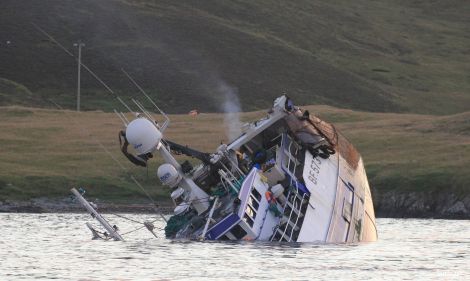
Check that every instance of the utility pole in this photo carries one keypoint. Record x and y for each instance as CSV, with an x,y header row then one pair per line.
x,y
79,44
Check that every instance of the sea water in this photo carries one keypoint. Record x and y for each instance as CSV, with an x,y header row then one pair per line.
x,y
59,246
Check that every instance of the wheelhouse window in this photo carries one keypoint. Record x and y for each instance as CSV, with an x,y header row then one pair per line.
x,y
347,210
252,207
253,203
248,220
256,194
250,212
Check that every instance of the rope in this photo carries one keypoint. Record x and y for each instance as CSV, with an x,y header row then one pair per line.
x,y
126,218
134,230
135,221
138,222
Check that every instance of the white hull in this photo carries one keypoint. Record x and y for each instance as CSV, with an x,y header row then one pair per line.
x,y
289,177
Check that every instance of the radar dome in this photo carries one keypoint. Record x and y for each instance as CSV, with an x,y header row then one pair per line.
x,y
143,135
168,175
180,209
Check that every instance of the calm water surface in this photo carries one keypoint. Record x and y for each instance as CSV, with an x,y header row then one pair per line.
x,y
59,246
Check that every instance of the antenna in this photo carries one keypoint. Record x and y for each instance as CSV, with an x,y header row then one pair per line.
x,y
167,119
144,111
86,132
122,117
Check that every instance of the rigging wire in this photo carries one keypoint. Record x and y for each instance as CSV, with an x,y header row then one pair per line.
x,y
157,207
131,231
50,37
126,218
167,122
136,221
83,65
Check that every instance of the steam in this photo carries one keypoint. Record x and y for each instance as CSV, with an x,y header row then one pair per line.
x,y
231,108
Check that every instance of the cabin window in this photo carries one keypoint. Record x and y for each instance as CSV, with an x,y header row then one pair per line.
x,y
238,231
248,220
256,194
250,211
253,203
347,210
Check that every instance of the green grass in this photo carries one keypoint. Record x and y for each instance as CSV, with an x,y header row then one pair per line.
x,y
46,152
407,57
14,93
387,56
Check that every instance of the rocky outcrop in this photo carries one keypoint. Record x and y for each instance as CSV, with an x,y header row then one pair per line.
x,y
392,204
422,205
44,205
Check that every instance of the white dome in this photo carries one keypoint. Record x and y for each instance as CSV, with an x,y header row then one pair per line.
x,y
143,135
168,175
181,208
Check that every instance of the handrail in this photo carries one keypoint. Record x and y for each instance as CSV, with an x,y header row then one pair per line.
x,y
300,212
290,215
209,218
286,146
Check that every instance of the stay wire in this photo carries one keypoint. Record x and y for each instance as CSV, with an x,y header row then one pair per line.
x,y
126,218
83,65
112,92
134,230
115,160
51,38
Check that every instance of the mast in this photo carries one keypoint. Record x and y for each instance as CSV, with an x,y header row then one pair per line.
x,y
112,232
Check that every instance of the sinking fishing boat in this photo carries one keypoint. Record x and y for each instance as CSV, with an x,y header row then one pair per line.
x,y
288,177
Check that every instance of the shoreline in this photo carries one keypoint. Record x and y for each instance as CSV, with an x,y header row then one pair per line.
x,y
72,207
42,206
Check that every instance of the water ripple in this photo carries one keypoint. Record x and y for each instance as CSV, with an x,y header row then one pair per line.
x,y
58,246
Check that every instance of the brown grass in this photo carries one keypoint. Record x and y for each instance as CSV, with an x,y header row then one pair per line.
x,y
402,151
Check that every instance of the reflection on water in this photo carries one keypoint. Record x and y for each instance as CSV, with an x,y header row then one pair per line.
x,y
47,246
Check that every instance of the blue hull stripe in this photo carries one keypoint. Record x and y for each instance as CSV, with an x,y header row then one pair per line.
x,y
223,226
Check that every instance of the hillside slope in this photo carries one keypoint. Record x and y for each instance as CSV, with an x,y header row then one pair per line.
x,y
382,55
417,164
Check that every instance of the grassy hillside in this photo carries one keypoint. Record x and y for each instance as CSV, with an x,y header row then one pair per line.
x,y
400,56
46,152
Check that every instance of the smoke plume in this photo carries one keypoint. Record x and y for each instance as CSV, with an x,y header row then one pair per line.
x,y
231,108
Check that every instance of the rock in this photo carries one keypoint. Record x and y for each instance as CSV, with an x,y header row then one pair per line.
x,y
457,209
446,205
